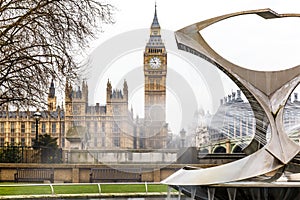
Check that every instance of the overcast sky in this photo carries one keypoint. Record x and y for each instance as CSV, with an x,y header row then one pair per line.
x,y
173,15
248,41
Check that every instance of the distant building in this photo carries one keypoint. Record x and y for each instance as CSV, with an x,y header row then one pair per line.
x,y
198,130
93,127
234,124
19,127
292,118
154,133
234,119
77,125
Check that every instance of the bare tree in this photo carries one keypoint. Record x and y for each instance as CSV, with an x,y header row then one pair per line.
x,y
39,40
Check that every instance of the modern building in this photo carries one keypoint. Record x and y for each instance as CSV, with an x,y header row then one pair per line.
x,y
77,125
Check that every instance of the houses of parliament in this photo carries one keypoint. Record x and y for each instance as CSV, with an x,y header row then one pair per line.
x,y
77,125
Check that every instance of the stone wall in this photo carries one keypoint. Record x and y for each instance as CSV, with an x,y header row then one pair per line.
x,y
79,173
120,156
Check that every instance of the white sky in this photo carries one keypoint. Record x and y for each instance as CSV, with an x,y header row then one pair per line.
x,y
173,15
249,41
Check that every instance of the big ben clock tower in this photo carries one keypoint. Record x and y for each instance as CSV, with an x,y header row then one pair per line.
x,y
155,72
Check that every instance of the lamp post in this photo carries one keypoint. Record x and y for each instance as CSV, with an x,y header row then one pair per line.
x,y
37,115
182,136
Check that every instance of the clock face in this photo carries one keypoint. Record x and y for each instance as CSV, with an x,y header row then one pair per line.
x,y
155,63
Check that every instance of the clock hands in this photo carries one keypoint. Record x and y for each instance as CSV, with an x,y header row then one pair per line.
x,y
155,62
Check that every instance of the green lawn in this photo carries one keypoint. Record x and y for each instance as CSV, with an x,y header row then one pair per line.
x,y
80,189
75,189
25,190
133,188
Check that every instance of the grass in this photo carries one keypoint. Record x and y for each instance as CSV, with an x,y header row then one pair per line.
x,y
132,188
75,189
79,189
25,190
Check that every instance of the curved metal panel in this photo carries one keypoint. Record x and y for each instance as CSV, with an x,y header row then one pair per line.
x,y
258,163
267,93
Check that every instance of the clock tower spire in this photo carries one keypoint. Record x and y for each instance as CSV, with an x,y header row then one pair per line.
x,y
155,23
155,72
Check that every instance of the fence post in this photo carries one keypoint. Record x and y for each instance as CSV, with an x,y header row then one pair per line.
x,y
99,188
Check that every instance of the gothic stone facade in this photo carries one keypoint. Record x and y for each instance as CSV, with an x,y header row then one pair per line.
x,y
77,125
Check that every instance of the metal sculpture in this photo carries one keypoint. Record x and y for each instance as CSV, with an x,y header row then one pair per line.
x,y
267,93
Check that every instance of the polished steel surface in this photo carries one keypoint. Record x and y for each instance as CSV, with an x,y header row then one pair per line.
x,y
267,93
238,170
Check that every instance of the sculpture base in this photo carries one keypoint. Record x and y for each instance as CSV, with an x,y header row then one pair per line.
x,y
243,190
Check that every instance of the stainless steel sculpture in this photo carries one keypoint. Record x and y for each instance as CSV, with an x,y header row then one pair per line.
x,y
266,91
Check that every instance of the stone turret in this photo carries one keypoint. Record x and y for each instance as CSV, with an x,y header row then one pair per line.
x,y
125,90
76,100
108,91
68,91
85,90
51,97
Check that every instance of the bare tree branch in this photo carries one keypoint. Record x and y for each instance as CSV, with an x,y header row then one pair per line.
x,y
39,40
